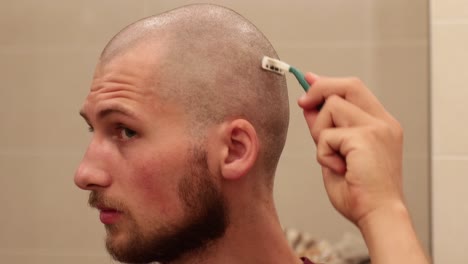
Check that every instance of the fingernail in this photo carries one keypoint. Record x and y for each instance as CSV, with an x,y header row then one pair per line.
x,y
313,75
311,78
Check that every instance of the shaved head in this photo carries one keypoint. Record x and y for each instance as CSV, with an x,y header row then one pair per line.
x,y
211,65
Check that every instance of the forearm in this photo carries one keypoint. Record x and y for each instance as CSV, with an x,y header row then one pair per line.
x,y
390,237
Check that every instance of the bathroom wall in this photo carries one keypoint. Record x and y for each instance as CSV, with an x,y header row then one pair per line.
x,y
449,71
48,50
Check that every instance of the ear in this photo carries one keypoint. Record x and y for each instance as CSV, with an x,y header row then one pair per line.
x,y
240,149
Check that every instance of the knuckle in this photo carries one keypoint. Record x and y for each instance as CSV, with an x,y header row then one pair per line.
x,y
321,151
315,132
387,130
383,128
355,86
355,82
332,100
320,159
398,131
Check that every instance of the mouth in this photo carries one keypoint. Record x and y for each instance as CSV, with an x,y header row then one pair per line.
x,y
109,211
108,216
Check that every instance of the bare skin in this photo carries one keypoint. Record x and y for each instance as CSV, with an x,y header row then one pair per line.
x,y
359,146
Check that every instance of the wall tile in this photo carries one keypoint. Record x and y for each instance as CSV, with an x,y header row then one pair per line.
x,y
449,92
451,10
401,78
59,23
450,213
400,20
311,18
43,93
43,209
449,26
373,21
416,187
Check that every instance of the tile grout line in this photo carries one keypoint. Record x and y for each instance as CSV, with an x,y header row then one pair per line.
x,y
450,157
449,21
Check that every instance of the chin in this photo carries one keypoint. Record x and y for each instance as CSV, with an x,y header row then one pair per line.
x,y
116,240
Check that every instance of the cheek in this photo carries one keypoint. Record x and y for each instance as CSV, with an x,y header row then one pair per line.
x,y
156,184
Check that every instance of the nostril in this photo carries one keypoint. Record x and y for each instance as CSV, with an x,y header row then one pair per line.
x,y
92,187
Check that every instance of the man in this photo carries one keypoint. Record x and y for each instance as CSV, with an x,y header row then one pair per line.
x,y
187,133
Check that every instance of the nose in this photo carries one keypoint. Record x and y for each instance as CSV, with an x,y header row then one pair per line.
x,y
92,174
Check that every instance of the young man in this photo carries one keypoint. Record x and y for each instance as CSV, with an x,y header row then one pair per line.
x,y
186,144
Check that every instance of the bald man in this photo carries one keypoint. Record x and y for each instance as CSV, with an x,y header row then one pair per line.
x,y
187,133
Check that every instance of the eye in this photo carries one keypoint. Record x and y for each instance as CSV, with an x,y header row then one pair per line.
x,y
126,133
90,129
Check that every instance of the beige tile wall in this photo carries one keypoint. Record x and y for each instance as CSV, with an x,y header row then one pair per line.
x,y
449,26
47,53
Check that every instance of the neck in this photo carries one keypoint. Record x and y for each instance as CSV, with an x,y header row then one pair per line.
x,y
254,235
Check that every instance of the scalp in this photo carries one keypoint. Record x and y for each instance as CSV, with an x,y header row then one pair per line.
x,y
212,67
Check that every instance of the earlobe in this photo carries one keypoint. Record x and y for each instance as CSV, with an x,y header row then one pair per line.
x,y
241,149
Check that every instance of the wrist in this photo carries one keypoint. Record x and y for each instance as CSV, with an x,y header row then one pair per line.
x,y
390,236
386,214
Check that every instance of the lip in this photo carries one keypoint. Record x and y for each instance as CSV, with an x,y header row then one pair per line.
x,y
109,216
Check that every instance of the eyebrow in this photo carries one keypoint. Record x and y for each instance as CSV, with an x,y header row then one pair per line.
x,y
112,109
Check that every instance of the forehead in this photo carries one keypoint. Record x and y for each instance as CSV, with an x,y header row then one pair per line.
x,y
130,79
140,61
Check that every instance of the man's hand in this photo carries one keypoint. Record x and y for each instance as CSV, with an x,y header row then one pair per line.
x,y
359,146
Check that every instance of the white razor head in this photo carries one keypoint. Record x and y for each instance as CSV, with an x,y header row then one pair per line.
x,y
275,65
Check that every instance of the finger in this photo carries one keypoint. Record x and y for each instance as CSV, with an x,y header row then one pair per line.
x,y
334,184
351,89
311,78
328,150
335,146
338,112
310,118
310,115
